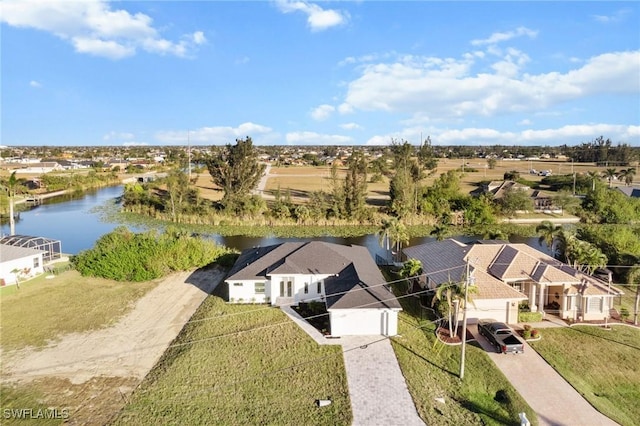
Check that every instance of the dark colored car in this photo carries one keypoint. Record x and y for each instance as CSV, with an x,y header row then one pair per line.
x,y
501,336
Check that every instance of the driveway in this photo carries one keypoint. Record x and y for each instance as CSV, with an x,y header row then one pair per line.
x,y
554,400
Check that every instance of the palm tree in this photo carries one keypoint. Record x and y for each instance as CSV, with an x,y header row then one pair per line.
x,y
394,234
548,234
610,174
11,184
452,293
411,269
439,231
634,278
593,176
628,174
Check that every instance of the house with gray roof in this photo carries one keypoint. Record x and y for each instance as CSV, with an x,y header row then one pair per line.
x,y
506,274
344,278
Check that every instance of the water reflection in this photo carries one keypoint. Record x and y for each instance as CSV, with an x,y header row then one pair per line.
x,y
74,221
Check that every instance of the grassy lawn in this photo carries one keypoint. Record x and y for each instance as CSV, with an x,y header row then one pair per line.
x,y
43,309
431,369
247,365
601,364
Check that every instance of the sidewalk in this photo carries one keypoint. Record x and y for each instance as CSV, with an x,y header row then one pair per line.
x,y
377,389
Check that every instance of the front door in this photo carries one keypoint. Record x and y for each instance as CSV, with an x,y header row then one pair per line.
x,y
289,289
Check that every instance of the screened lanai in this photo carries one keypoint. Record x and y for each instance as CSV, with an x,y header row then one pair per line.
x,y
52,248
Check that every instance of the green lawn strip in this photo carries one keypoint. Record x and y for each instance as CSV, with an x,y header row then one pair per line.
x,y
431,370
600,364
250,364
44,309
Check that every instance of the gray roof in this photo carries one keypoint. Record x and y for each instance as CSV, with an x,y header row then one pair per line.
x,y
442,261
355,281
8,253
630,191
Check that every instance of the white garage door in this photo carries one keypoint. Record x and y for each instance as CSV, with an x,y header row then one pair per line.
x,y
358,322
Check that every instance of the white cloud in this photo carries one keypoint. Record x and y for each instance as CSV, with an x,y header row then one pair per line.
x,y
322,112
500,37
569,134
92,27
312,138
35,84
135,143
525,122
617,16
445,88
318,19
351,126
113,135
217,135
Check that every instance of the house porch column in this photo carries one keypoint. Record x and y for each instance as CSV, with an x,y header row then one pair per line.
x,y
532,298
541,298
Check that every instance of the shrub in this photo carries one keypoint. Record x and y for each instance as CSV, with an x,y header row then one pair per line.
x,y
535,333
529,316
624,314
526,334
527,327
126,256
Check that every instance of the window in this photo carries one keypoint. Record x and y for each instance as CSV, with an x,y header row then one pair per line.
x,y
319,287
259,288
36,262
595,304
237,284
306,288
517,286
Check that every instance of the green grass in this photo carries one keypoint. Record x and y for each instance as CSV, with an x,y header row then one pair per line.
x,y
44,309
247,365
431,370
601,364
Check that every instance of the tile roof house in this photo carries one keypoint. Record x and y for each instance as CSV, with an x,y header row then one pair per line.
x,y
498,188
345,278
506,274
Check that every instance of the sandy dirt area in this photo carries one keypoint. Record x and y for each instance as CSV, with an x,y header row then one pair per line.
x,y
92,373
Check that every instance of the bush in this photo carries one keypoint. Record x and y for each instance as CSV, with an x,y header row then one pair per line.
x,y
125,256
624,314
529,316
526,334
535,333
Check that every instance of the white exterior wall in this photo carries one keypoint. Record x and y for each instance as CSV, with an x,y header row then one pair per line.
x,y
21,264
498,309
363,322
245,293
298,281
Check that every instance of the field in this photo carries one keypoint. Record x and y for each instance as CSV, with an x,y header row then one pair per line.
x,y
242,364
43,309
601,364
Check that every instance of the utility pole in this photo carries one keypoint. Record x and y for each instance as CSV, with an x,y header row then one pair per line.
x,y
464,322
189,154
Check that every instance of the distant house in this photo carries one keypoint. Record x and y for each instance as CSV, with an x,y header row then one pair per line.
x,y
18,263
630,191
541,200
40,168
506,274
344,278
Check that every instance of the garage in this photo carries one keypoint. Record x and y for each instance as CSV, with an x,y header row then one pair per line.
x,y
358,322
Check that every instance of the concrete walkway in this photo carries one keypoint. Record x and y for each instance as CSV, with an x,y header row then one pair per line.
x,y
378,391
554,400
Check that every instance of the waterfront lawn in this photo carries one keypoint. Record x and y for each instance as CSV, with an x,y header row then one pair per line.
x,y
43,309
242,364
601,364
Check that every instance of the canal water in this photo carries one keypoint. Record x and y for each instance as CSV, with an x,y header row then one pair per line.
x,y
79,220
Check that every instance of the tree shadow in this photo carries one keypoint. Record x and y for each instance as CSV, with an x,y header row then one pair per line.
x,y
428,361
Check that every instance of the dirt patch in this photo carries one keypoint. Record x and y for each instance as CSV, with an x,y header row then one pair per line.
x,y
97,370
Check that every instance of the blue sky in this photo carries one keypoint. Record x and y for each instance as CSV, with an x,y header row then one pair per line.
x,y
97,72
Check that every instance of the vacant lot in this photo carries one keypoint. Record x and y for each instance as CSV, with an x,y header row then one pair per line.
x,y
601,364
235,364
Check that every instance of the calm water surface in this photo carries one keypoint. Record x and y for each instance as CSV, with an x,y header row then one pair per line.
x,y
78,222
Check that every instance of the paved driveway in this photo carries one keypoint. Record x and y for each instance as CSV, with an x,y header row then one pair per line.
x,y
555,401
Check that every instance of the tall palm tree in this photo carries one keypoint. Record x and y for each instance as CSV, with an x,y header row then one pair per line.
x,y
11,186
628,174
393,234
411,270
593,175
452,294
548,234
439,231
610,174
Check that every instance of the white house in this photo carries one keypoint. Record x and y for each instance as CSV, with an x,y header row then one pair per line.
x,y
19,263
345,278
506,274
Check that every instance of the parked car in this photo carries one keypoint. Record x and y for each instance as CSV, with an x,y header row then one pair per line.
x,y
501,336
